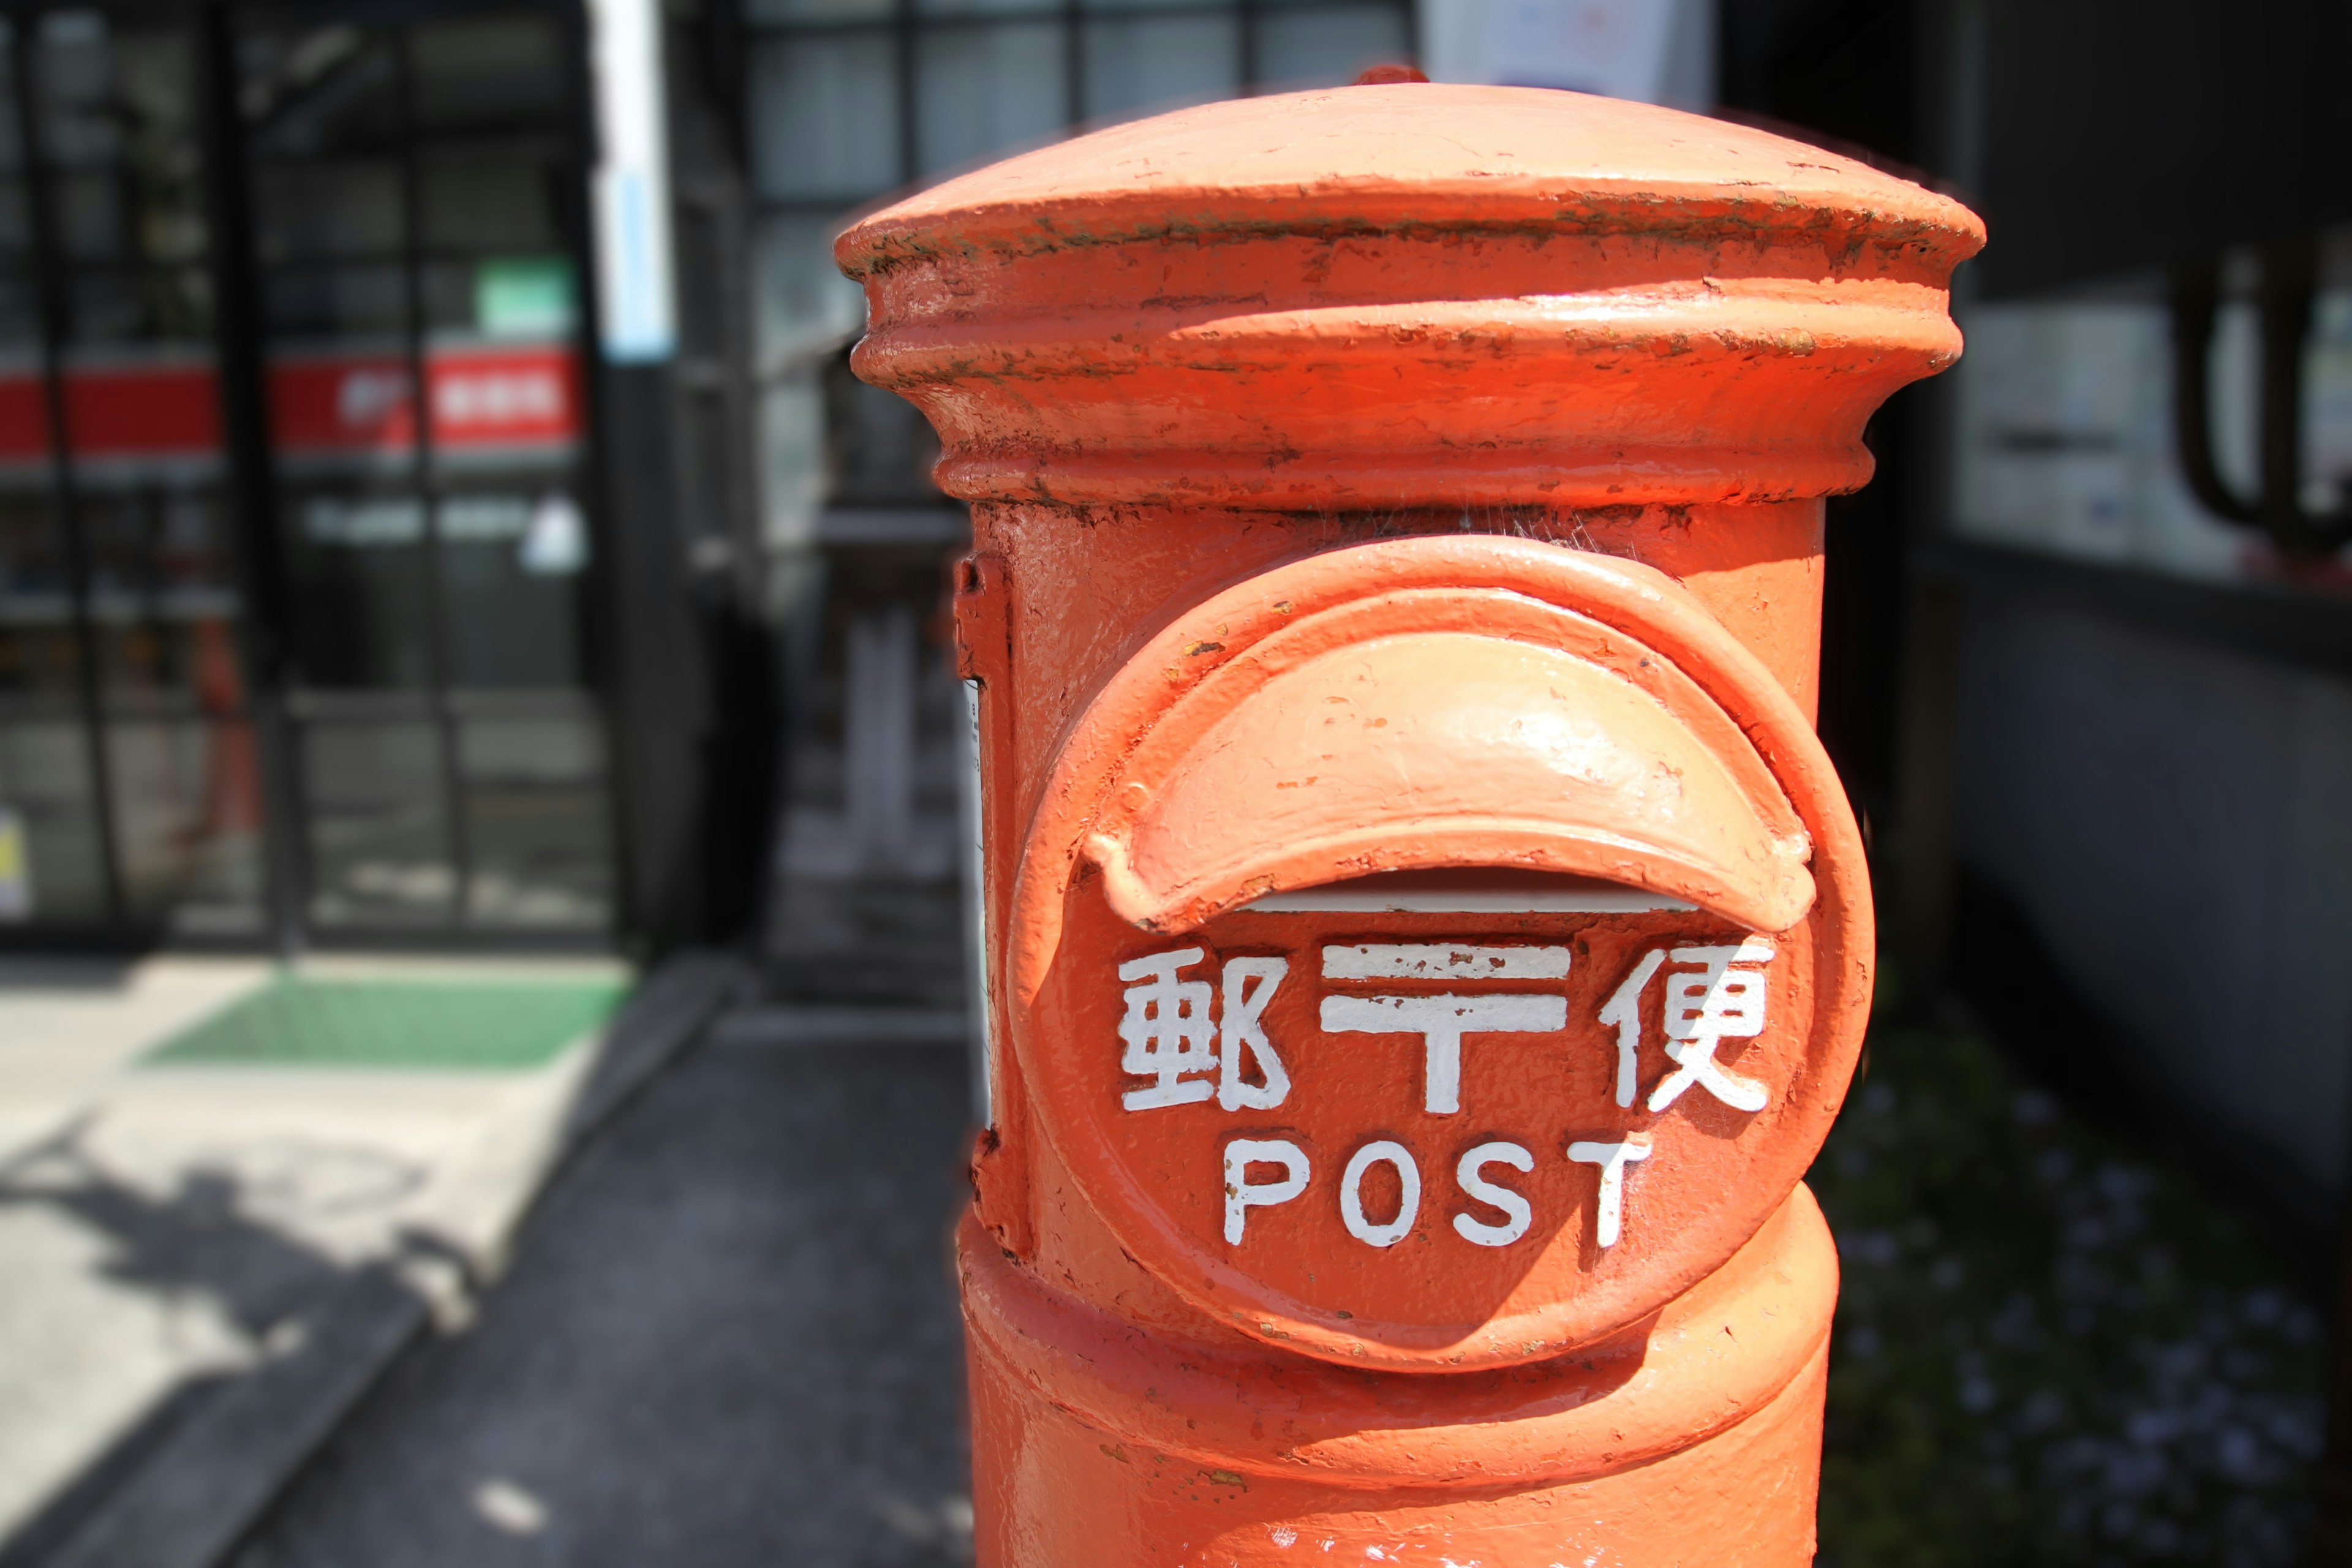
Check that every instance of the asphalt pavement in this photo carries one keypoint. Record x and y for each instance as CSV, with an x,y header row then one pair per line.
x,y
729,1335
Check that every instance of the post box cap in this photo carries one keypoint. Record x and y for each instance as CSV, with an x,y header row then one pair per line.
x,y
1415,157
1408,296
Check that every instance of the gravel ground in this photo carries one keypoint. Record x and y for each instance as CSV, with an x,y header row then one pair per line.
x,y
2046,1351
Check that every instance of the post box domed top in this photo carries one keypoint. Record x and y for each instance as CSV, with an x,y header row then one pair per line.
x,y
1409,295
1414,157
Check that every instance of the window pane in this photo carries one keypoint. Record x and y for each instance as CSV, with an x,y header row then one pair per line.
x,y
19,330
91,223
825,116
379,840
187,822
47,807
792,477
320,89
15,227
357,561
337,302
163,595
12,143
537,820
308,211
1151,63
882,449
478,204
41,660
118,119
980,91
806,305
985,8
497,71
512,568
141,308
1327,48
819,10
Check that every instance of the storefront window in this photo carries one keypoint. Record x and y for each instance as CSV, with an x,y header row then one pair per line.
x,y
849,100
2066,442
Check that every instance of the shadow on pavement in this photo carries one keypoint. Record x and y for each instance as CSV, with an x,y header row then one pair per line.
x,y
730,1336
199,1248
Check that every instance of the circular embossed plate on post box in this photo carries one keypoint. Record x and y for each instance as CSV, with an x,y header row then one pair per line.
x,y
1440,952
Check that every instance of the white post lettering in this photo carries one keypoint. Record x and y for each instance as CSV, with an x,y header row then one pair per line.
x,y
1608,1215
1520,1215
1440,1022
1706,1008
1624,1011
1167,1031
1242,1195
1443,961
1239,1031
1351,1194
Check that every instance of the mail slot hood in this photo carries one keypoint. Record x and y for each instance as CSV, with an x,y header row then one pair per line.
x,y
1432,703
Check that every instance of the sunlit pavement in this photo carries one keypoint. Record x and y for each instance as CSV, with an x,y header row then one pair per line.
x,y
729,1336
167,1229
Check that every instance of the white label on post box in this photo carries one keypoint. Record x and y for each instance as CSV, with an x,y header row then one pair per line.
x,y
1194,1030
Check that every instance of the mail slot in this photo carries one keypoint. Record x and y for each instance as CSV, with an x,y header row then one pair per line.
x,y
1427,942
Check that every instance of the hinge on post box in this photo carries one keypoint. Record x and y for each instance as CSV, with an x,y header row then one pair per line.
x,y
983,631
983,625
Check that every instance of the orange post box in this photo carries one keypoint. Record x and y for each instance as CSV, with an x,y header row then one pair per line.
x,y
1427,941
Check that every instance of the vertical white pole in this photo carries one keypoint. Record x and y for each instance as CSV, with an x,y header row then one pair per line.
x,y
632,190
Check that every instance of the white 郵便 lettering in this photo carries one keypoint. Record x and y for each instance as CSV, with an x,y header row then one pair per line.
x,y
1166,1030
1440,1022
1168,1034
1624,1013
1443,960
1717,1003
1238,1032
1724,998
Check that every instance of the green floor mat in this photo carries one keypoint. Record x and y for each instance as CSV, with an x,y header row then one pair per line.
x,y
398,1023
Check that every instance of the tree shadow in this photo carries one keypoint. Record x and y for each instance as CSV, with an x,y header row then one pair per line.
x,y
202,1243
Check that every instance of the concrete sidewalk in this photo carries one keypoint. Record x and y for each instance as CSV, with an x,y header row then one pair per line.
x,y
730,1337
203,1265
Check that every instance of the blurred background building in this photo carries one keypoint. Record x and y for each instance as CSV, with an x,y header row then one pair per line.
x,y
436,509
437,512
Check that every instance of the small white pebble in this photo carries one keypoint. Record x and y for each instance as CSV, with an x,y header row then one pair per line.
x,y
503,1505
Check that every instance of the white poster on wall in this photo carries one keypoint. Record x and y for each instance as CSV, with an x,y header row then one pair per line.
x,y
1658,51
633,231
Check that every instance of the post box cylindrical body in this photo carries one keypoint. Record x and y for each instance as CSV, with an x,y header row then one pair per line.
x,y
1427,943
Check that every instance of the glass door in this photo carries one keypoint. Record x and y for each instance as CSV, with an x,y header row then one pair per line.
x,y
129,791
418,230
408,539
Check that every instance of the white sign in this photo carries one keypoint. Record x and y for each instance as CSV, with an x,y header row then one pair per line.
x,y
1191,1040
639,324
1659,51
